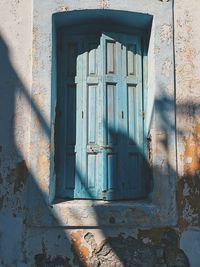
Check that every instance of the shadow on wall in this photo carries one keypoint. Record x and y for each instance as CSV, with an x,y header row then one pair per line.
x,y
49,246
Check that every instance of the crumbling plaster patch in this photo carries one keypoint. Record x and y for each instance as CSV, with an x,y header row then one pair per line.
x,y
104,4
166,34
166,67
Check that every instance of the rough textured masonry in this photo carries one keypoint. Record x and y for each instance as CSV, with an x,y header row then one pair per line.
x,y
36,228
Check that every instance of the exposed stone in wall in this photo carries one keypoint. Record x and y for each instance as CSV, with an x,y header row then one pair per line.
x,y
153,248
120,251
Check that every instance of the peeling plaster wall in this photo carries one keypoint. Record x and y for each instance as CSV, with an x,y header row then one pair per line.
x,y
187,46
188,109
15,81
35,233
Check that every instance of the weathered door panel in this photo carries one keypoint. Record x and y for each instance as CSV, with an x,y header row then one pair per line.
x,y
123,121
132,124
89,185
66,116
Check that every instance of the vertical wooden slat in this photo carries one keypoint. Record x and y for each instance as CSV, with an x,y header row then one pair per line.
x,y
92,112
91,171
70,118
139,92
131,114
83,135
79,123
89,119
131,59
70,171
60,153
110,57
112,171
71,115
111,113
72,58
92,60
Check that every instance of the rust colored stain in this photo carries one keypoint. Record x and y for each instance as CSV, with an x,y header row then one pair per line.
x,y
39,100
188,189
192,153
81,252
20,173
42,162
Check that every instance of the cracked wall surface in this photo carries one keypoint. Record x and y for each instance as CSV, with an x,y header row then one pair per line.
x,y
34,233
188,96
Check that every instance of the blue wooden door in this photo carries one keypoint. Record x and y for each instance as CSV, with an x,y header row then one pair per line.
x,y
101,99
68,156
79,127
88,176
123,121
